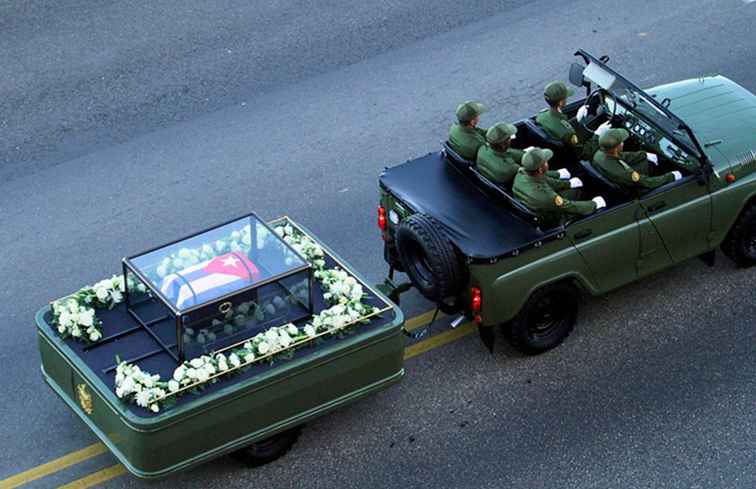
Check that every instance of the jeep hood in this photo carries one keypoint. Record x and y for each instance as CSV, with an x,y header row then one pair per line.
x,y
715,108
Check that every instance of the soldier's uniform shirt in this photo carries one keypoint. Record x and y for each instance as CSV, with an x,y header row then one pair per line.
x,y
629,171
545,196
562,128
466,140
502,166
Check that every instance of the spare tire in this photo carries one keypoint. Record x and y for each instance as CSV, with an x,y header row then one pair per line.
x,y
429,258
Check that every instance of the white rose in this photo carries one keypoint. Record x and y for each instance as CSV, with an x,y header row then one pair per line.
x,y
285,339
234,359
128,385
116,295
154,408
310,331
94,335
249,357
235,246
222,365
219,245
191,373
279,231
143,398
291,329
101,292
162,271
357,292
202,375
173,386
179,373
263,348
178,263
86,318
119,392
207,249
61,329
75,331
196,362
271,335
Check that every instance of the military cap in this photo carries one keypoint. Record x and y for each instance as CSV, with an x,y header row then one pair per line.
x,y
500,132
557,90
534,158
467,111
612,138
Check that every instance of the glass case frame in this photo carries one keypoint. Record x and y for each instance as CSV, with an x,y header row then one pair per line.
x,y
181,315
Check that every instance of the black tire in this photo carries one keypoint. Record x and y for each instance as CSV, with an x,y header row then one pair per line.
x,y
268,450
740,244
546,319
428,258
392,256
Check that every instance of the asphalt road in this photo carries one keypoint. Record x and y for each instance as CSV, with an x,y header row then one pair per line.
x,y
124,126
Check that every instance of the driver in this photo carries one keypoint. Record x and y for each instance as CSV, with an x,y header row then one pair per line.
x,y
627,169
465,137
569,131
499,162
547,196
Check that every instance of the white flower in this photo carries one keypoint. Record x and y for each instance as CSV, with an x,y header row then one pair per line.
x,y
310,331
234,359
86,318
288,229
178,263
196,362
263,348
101,292
249,357
75,331
173,386
219,245
154,408
279,231
291,329
357,292
179,373
191,373
95,335
271,335
162,271
116,296
61,329
202,375
128,386
143,398
222,365
285,339
207,249
119,392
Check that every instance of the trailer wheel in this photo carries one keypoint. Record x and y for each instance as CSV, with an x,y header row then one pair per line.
x,y
546,319
740,244
265,451
429,258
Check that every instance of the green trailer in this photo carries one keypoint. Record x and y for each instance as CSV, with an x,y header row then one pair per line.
x,y
254,409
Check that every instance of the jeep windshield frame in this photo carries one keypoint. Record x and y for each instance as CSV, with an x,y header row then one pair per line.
x,y
639,102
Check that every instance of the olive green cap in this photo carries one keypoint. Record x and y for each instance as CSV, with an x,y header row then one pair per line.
x,y
612,138
500,132
534,159
467,111
557,90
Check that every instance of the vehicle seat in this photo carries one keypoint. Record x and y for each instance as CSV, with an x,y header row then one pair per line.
x,y
599,177
491,188
540,138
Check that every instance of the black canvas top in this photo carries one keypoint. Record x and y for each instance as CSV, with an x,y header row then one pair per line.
x,y
477,224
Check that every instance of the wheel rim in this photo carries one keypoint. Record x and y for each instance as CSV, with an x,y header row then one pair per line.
x,y
548,316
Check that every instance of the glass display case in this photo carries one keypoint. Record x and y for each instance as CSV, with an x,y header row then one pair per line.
x,y
217,288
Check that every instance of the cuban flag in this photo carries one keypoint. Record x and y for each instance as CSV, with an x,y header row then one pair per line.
x,y
210,279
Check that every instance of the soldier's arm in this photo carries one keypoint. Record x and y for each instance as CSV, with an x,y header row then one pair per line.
x,y
633,158
654,182
558,203
516,155
552,177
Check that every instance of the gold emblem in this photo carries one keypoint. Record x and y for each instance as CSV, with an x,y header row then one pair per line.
x,y
559,201
85,398
635,176
574,139
224,307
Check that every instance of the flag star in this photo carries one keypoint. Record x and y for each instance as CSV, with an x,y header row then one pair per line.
x,y
231,261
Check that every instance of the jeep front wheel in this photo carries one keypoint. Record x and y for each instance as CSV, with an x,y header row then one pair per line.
x,y
265,451
740,244
546,319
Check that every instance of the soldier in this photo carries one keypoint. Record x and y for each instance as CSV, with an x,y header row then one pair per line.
x,y
627,169
499,162
560,127
465,137
546,196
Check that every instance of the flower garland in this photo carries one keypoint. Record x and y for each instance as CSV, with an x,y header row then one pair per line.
x,y
343,294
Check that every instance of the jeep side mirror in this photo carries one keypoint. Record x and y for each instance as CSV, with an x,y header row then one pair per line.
x,y
576,75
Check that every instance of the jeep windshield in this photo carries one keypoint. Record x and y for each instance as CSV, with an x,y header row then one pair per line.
x,y
632,99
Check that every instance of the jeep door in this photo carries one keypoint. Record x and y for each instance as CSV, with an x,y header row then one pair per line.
x,y
681,214
619,244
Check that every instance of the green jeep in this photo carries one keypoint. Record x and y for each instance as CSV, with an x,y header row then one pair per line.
x,y
470,247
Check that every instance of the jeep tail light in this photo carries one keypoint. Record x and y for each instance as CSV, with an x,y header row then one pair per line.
x,y
381,218
475,301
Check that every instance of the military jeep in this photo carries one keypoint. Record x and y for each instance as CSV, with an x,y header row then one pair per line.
x,y
467,245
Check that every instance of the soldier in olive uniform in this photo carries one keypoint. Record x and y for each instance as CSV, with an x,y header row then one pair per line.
x,y
627,169
465,137
499,162
560,127
547,196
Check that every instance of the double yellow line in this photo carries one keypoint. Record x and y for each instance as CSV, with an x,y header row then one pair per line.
x,y
117,470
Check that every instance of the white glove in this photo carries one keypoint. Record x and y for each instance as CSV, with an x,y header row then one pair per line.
x,y
581,113
601,130
652,158
576,182
677,175
600,202
564,174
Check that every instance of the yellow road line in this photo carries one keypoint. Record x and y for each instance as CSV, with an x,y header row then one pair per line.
x,y
98,477
439,340
116,470
421,319
53,466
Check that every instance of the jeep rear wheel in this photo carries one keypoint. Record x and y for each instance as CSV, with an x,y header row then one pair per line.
x,y
740,244
546,319
429,258
265,451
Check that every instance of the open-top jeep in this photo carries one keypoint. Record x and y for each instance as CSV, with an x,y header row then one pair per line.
x,y
469,246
